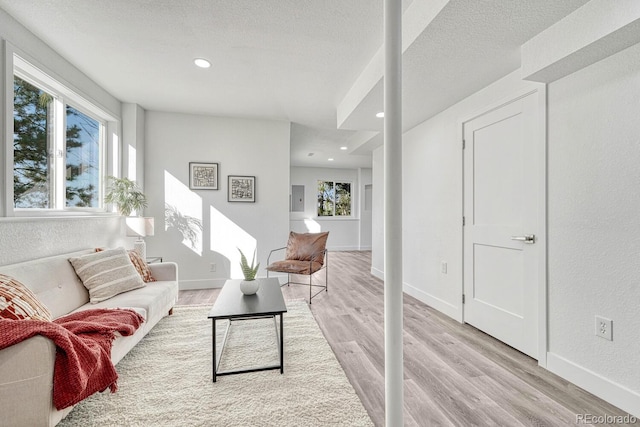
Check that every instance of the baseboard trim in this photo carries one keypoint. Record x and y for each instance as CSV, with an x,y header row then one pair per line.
x,y
377,273
432,301
191,285
437,303
343,248
614,393
187,285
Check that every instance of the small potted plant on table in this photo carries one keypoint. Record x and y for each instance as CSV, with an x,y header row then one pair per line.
x,y
249,285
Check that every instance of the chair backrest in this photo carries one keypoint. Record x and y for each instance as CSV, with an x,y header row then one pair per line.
x,y
307,246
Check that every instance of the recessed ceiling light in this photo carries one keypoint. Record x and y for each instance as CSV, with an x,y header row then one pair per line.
x,y
330,159
343,148
202,63
380,114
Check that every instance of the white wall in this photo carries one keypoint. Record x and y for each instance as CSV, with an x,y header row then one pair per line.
x,y
55,65
133,143
344,233
377,214
432,197
257,148
594,232
365,178
23,239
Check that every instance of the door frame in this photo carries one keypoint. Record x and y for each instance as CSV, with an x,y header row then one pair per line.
x,y
540,90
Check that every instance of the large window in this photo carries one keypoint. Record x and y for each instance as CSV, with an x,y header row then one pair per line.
x,y
334,198
58,149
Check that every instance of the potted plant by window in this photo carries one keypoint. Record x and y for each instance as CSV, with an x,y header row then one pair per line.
x,y
126,195
249,285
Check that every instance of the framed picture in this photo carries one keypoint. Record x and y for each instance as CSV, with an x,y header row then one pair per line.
x,y
242,188
203,176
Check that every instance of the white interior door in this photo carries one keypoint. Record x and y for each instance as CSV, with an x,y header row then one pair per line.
x,y
501,208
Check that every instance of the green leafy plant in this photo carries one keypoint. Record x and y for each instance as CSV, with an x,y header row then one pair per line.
x,y
126,195
249,271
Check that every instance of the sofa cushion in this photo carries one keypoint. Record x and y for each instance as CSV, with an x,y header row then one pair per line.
x,y
155,299
53,280
17,302
106,273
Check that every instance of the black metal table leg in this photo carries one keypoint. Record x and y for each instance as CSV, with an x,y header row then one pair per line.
x,y
214,349
281,345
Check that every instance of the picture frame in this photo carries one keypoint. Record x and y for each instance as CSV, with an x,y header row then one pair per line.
x,y
241,188
203,176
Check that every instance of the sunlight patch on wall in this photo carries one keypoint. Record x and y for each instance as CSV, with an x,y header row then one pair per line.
x,y
227,237
312,226
183,213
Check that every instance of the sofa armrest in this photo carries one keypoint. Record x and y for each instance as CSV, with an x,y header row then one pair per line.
x,y
164,271
26,382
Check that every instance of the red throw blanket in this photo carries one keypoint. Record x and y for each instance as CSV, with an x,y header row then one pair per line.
x,y
83,342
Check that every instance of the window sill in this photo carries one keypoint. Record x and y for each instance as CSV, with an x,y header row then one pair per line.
x,y
335,218
37,214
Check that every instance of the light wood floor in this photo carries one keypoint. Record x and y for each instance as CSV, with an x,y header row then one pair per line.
x,y
454,374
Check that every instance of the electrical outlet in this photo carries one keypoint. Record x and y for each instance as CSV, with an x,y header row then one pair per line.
x,y
443,267
213,267
604,328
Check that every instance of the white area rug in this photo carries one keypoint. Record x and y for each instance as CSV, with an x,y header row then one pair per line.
x,y
166,379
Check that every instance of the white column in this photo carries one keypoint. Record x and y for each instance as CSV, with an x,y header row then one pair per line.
x,y
393,212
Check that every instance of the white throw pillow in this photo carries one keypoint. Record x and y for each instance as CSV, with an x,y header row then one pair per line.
x,y
107,273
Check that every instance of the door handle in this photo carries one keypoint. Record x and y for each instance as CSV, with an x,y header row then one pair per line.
x,y
527,238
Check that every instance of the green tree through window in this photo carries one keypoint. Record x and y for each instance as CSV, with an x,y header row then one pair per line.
x,y
343,199
334,198
325,198
39,156
82,160
30,145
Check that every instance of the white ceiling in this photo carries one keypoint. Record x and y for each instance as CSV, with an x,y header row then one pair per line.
x,y
461,47
293,60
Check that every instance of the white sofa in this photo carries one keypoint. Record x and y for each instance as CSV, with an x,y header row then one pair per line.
x,y
26,369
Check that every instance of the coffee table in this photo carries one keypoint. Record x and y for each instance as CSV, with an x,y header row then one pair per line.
x,y
233,305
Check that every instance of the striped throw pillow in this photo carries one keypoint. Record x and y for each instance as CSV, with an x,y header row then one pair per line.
x,y
140,264
107,273
17,302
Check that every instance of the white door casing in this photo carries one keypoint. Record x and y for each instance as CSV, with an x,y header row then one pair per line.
x,y
502,202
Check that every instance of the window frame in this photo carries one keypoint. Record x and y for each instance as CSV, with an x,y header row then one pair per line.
x,y
102,163
20,65
334,216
